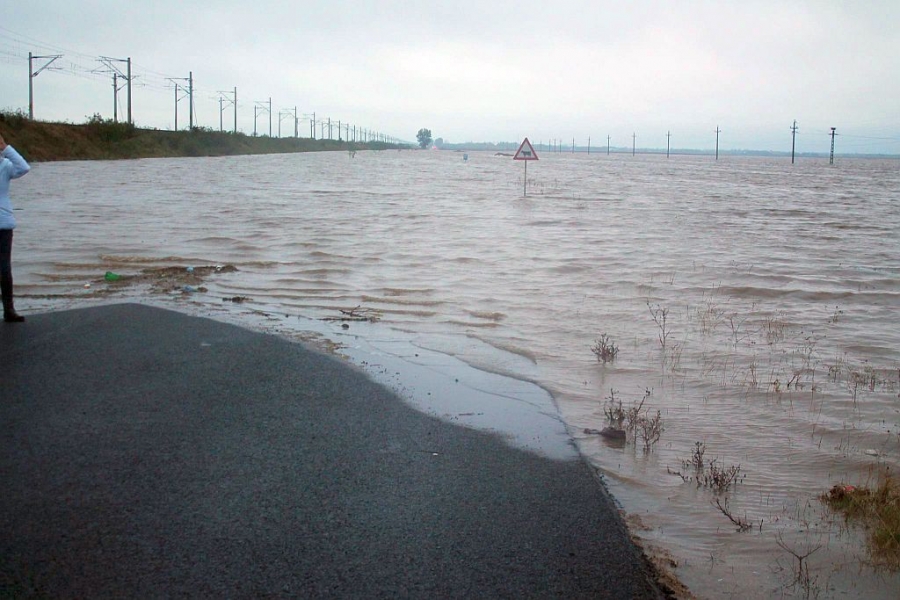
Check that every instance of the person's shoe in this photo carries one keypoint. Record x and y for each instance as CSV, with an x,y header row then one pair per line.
x,y
13,317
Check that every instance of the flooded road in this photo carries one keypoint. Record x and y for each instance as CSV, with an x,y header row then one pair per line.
x,y
751,301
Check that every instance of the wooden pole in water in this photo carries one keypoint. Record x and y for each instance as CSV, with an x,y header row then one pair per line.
x,y
831,156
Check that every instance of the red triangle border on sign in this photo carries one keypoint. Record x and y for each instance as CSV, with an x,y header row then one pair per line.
x,y
528,154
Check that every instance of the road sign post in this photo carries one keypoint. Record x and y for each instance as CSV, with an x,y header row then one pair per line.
x,y
525,153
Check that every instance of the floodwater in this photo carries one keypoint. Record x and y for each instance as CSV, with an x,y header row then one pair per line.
x,y
778,283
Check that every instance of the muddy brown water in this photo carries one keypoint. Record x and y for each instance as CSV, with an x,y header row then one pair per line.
x,y
779,284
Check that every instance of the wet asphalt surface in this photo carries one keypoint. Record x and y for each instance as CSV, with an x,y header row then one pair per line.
x,y
146,453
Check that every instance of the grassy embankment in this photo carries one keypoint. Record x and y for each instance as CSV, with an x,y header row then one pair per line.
x,y
100,139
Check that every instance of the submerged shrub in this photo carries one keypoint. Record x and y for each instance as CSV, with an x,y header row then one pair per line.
x,y
605,349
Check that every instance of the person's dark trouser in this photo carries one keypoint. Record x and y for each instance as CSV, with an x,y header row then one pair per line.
x,y
6,281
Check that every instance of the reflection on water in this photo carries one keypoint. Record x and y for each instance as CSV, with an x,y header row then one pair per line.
x,y
779,284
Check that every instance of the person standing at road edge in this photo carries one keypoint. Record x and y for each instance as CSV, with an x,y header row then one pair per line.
x,y
12,166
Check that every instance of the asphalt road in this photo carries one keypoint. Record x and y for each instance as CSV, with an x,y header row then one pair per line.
x,y
146,453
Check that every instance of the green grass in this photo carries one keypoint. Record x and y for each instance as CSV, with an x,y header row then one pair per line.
x,y
104,139
878,510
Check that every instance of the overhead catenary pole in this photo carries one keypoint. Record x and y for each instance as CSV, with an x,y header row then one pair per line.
x,y
258,109
224,102
110,64
191,100
793,139
112,67
32,74
175,81
130,120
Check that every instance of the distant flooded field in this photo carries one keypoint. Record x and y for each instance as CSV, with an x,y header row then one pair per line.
x,y
752,303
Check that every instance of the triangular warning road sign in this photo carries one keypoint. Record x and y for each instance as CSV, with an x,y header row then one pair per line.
x,y
525,152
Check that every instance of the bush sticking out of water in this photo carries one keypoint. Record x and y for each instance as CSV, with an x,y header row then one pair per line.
x,y
650,429
634,422
605,349
613,411
878,510
660,316
709,315
711,474
774,328
741,523
718,477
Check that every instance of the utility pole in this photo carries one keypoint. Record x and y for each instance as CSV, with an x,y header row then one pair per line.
x,y
573,145
32,74
668,136
633,142
589,144
793,139
607,145
718,131
235,109
831,156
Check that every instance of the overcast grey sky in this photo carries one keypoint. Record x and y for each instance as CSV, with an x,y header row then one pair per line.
x,y
484,70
